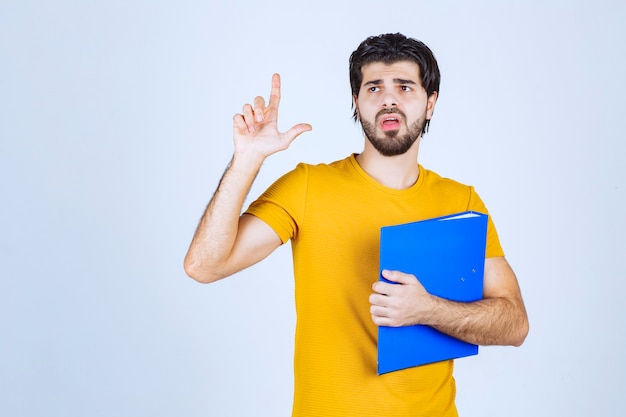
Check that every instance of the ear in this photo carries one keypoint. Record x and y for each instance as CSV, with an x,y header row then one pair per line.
x,y
430,105
355,104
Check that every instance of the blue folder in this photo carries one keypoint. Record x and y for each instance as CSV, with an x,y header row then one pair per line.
x,y
447,255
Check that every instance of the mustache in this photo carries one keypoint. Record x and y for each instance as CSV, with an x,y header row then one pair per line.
x,y
391,110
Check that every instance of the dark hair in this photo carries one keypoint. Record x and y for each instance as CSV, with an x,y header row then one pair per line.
x,y
391,48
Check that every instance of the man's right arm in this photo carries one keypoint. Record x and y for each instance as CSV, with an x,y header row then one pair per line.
x,y
225,242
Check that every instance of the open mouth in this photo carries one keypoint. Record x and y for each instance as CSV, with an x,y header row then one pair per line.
x,y
390,122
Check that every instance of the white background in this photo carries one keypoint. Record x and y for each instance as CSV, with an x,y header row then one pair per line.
x,y
115,126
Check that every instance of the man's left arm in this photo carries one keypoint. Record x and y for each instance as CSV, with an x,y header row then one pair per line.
x,y
498,319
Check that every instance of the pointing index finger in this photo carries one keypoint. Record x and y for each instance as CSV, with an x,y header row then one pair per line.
x,y
275,93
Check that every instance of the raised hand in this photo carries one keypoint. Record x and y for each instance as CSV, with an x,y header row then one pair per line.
x,y
255,130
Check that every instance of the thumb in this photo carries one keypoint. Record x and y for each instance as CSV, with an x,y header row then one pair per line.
x,y
398,277
296,131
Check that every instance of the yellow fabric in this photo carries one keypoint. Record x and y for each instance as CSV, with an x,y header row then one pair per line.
x,y
333,214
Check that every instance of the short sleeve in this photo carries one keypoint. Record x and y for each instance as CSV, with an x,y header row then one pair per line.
x,y
494,248
281,206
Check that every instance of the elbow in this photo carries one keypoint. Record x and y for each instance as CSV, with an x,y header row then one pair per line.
x,y
199,273
197,276
521,334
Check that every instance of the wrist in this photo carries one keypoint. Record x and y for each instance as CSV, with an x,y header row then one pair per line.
x,y
432,307
246,163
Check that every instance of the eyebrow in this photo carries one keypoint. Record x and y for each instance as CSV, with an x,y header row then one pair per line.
x,y
395,81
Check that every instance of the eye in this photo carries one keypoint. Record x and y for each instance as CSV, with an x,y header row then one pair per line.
x,y
374,89
406,88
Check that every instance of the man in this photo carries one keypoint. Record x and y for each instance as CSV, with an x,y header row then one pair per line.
x,y
332,214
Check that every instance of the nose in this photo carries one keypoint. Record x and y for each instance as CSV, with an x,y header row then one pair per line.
x,y
389,99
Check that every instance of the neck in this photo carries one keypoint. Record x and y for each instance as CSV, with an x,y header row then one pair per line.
x,y
398,172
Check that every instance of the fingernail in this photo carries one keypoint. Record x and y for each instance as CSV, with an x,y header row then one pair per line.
x,y
259,118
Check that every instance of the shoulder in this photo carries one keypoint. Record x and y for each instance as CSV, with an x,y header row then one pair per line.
x,y
299,179
434,181
321,170
451,193
330,167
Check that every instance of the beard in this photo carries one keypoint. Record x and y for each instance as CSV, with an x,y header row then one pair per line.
x,y
391,142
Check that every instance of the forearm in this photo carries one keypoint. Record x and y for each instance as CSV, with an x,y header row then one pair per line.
x,y
226,242
215,235
491,321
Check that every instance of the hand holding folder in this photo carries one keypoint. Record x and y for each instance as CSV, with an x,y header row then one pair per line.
x,y
447,255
